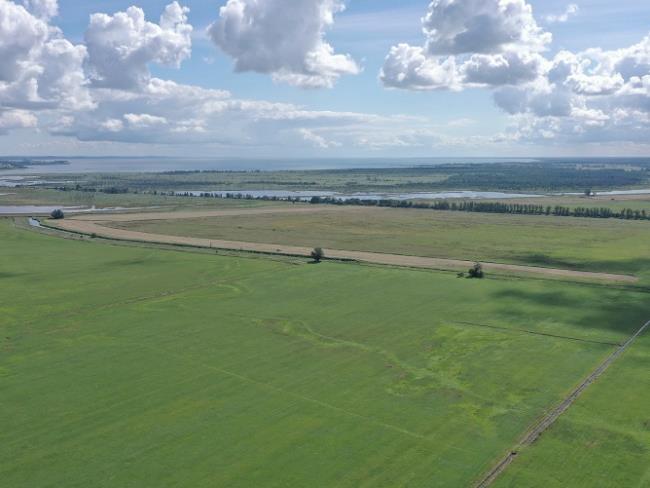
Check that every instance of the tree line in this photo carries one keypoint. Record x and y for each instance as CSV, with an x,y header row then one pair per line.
x,y
493,207
444,205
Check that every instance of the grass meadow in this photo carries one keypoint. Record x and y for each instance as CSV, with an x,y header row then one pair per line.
x,y
606,245
135,367
40,196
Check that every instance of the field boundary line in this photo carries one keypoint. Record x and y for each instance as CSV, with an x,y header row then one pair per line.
x,y
549,419
532,332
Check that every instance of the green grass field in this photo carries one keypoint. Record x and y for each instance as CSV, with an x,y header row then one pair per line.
x,y
560,242
604,439
132,367
40,196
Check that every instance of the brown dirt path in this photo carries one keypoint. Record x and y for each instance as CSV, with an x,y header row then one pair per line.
x,y
91,224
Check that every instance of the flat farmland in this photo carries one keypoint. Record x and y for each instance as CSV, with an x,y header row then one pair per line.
x,y
42,196
598,245
602,441
129,366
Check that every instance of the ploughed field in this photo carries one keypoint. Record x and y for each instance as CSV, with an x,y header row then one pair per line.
x,y
597,245
133,367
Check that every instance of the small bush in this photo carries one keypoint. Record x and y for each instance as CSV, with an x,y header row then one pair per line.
x,y
476,271
57,214
317,254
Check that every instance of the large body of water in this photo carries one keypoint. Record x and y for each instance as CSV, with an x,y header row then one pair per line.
x,y
161,164
157,165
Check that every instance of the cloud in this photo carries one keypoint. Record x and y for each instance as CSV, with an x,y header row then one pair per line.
x,y
144,120
583,97
283,38
21,34
121,46
110,125
40,69
481,26
593,95
470,43
16,119
102,91
571,10
509,68
408,67
317,140
43,9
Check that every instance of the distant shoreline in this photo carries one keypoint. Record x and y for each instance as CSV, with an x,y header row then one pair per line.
x,y
13,164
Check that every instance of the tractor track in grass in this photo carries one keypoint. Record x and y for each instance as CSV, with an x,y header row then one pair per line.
x,y
537,333
99,225
549,419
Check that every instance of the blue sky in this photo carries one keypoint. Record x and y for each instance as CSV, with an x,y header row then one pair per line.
x,y
435,118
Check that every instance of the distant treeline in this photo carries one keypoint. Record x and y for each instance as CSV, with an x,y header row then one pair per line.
x,y
550,177
553,176
444,205
492,207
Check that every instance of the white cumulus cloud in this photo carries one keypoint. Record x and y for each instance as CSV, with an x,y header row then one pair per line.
x,y
39,68
587,96
284,38
591,96
481,26
409,67
470,43
121,46
44,9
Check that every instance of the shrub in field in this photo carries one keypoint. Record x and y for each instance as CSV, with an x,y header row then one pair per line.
x,y
317,254
57,214
476,271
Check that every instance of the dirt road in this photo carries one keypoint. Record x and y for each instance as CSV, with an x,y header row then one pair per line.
x,y
92,224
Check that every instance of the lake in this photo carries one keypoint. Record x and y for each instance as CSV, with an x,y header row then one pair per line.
x,y
157,165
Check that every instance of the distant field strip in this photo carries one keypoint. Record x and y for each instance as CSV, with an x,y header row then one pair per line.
x,y
538,429
96,224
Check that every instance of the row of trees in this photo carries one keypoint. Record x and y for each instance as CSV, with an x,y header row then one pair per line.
x,y
460,206
494,207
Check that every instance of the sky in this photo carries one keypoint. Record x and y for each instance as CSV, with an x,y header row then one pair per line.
x,y
325,78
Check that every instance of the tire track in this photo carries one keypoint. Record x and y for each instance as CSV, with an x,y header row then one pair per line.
x,y
537,333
